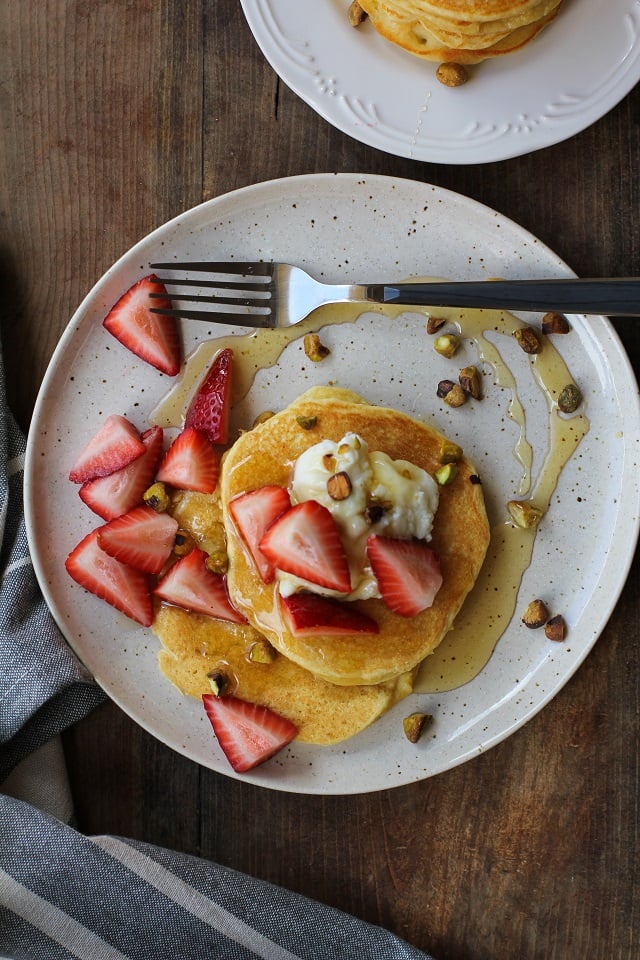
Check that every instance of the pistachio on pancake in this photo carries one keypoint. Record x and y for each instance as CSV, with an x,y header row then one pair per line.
x,y
265,456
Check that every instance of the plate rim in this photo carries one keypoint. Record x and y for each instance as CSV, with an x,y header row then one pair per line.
x,y
364,132
131,254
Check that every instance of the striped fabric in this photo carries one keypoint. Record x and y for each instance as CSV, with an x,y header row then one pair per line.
x,y
43,687
64,895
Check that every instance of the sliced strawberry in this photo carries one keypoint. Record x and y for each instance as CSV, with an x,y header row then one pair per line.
x,y
190,585
407,571
209,409
123,587
305,542
153,338
308,614
113,495
141,538
116,444
248,733
253,513
190,463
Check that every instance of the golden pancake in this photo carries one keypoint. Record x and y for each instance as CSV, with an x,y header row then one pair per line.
x,y
460,535
194,646
432,32
471,16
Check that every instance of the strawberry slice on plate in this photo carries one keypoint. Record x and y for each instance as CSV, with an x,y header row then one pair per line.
x,y
122,490
190,463
123,587
305,542
407,571
153,338
209,410
253,513
248,733
141,538
190,585
116,444
308,614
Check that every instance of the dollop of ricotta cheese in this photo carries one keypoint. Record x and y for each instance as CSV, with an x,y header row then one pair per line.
x,y
395,498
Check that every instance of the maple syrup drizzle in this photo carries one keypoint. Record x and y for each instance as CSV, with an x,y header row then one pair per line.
x,y
490,606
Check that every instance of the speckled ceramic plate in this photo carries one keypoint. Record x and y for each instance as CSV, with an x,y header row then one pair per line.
x,y
569,76
373,228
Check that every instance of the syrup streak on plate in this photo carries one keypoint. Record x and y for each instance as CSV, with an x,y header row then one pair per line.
x,y
583,546
389,99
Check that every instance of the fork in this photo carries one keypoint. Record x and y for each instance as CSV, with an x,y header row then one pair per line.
x,y
261,294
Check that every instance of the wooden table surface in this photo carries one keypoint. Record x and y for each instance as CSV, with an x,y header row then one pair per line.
x,y
117,115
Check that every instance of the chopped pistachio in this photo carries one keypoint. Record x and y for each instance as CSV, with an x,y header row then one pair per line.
x,y
346,447
314,348
263,417
524,514
452,393
157,497
219,682
536,615
434,324
339,485
414,725
183,544
450,452
307,423
446,344
553,322
446,474
528,339
556,629
469,379
261,651
376,509
452,74
570,398
355,14
329,462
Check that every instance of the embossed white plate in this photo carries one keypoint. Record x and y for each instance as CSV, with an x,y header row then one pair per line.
x,y
569,76
339,227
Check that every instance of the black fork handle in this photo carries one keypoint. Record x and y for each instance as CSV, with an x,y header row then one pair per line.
x,y
619,297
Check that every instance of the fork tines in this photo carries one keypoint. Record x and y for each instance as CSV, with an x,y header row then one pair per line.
x,y
231,268
234,287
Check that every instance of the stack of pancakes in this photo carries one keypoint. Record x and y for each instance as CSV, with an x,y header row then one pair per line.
x,y
461,31
329,686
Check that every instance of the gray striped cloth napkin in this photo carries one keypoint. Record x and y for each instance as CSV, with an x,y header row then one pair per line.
x,y
64,895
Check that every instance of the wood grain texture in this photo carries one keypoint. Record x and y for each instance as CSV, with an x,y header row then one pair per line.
x,y
118,115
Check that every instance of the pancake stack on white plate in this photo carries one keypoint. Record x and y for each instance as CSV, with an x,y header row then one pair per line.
x,y
460,31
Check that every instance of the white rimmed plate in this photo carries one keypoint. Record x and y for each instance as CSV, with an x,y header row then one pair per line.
x,y
569,76
350,226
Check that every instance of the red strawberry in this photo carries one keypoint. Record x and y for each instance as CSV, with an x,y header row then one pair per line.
x,y
190,463
407,572
121,586
189,584
209,409
248,733
151,337
116,444
305,542
253,513
140,538
309,614
112,496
